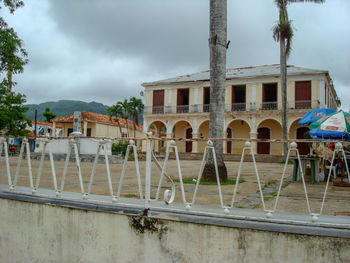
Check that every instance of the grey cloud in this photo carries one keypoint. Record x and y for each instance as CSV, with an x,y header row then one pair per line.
x,y
157,31
103,50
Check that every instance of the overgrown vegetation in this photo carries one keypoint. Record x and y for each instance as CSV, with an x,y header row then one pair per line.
x,y
194,181
13,58
49,115
289,162
121,147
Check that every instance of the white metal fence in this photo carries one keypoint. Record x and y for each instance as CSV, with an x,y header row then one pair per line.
x,y
169,194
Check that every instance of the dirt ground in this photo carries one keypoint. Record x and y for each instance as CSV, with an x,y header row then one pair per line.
x,y
292,197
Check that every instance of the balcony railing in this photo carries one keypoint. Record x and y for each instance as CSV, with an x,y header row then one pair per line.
x,y
238,107
182,108
206,107
234,107
271,105
304,104
158,109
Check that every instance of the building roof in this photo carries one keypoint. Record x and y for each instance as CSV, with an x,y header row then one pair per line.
x,y
46,124
236,73
99,118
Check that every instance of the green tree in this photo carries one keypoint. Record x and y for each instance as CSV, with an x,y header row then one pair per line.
x,y
49,115
12,118
217,46
12,5
115,112
135,108
12,60
283,33
12,54
125,106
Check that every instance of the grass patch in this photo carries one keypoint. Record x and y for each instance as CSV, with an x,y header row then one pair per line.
x,y
130,195
194,181
240,206
271,182
289,162
267,198
273,193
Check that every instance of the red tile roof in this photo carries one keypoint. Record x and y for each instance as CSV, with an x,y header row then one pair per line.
x,y
100,118
46,123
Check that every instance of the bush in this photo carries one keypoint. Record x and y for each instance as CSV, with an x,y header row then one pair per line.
x,y
120,147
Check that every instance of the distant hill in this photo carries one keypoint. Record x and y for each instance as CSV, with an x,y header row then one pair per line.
x,y
64,107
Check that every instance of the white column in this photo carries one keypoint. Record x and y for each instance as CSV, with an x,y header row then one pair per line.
x,y
254,133
169,135
253,94
170,97
195,95
54,129
322,92
85,128
195,143
254,136
147,102
145,126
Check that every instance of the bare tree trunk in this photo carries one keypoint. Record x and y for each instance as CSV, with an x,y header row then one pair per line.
x,y
283,69
217,45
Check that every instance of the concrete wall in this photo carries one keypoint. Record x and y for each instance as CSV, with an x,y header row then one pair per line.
x,y
33,232
85,146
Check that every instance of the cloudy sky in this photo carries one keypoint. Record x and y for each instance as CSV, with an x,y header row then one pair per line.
x,y
102,50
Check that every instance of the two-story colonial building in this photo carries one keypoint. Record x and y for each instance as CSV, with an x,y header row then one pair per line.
x,y
179,107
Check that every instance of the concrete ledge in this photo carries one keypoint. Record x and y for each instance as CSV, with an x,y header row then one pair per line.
x,y
243,222
37,228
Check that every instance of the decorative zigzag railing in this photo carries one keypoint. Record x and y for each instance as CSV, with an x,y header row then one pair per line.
x,y
169,194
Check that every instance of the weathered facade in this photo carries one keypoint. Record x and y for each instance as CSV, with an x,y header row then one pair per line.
x,y
179,107
98,125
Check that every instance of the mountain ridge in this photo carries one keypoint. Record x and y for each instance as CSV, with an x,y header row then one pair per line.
x,y
64,108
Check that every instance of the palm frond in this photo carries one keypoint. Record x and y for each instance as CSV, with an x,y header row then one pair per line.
x,y
276,32
289,42
284,31
279,3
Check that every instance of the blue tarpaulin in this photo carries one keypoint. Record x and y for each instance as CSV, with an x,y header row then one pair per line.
x,y
314,115
335,135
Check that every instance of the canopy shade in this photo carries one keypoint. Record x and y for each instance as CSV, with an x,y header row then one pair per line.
x,y
333,126
314,115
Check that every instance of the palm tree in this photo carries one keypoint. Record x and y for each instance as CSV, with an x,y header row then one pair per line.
x,y
283,33
136,107
49,115
125,106
116,111
217,46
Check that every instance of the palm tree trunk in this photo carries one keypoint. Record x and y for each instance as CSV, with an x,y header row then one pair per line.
x,y
120,128
283,69
134,129
217,44
127,126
